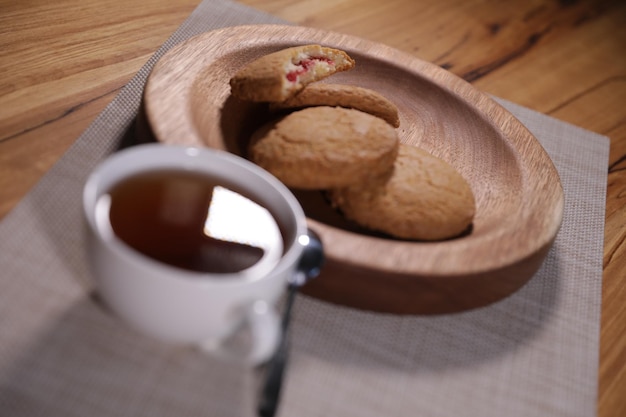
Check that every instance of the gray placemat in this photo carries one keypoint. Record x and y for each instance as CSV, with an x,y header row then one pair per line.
x,y
533,353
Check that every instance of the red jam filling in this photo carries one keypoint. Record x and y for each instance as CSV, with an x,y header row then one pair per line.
x,y
305,65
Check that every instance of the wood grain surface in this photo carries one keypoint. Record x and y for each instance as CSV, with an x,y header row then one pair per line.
x,y
62,62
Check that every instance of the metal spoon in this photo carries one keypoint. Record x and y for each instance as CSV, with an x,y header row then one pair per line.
x,y
308,268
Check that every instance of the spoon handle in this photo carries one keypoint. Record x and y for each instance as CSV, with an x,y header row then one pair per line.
x,y
270,394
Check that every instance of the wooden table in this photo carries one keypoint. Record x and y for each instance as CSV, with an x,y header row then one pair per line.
x,y
62,62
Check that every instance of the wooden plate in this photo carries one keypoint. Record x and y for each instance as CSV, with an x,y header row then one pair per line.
x,y
517,189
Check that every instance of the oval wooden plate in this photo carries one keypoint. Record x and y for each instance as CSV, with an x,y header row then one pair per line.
x,y
517,189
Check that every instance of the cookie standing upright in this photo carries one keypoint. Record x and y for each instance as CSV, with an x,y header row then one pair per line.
x,y
343,95
325,147
277,76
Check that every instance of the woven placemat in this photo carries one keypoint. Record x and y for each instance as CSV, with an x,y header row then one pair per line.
x,y
533,353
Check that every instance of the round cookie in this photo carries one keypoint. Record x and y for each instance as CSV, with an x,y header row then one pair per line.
x,y
279,75
342,95
422,198
325,147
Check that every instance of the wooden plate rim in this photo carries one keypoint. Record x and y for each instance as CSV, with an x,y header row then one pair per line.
x,y
435,258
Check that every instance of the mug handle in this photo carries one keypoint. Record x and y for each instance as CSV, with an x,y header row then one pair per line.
x,y
265,329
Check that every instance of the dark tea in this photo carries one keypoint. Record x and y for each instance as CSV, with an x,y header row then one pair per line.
x,y
192,221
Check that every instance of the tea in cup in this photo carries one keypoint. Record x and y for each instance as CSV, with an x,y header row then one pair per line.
x,y
187,244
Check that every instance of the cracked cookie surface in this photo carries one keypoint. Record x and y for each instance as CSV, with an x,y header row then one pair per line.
x,y
325,147
422,198
343,95
277,76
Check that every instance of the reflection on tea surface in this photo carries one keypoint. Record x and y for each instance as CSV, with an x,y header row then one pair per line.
x,y
191,221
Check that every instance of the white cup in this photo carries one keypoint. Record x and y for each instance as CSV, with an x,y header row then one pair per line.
x,y
179,305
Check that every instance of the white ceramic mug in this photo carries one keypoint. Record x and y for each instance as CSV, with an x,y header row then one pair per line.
x,y
179,305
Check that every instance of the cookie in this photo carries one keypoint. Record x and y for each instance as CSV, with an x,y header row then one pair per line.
x,y
280,75
325,147
341,95
422,198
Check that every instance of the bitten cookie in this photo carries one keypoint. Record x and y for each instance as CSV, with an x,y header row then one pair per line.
x,y
279,75
341,95
325,147
422,198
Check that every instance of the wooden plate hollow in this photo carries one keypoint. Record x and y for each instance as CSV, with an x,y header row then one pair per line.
x,y
517,189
